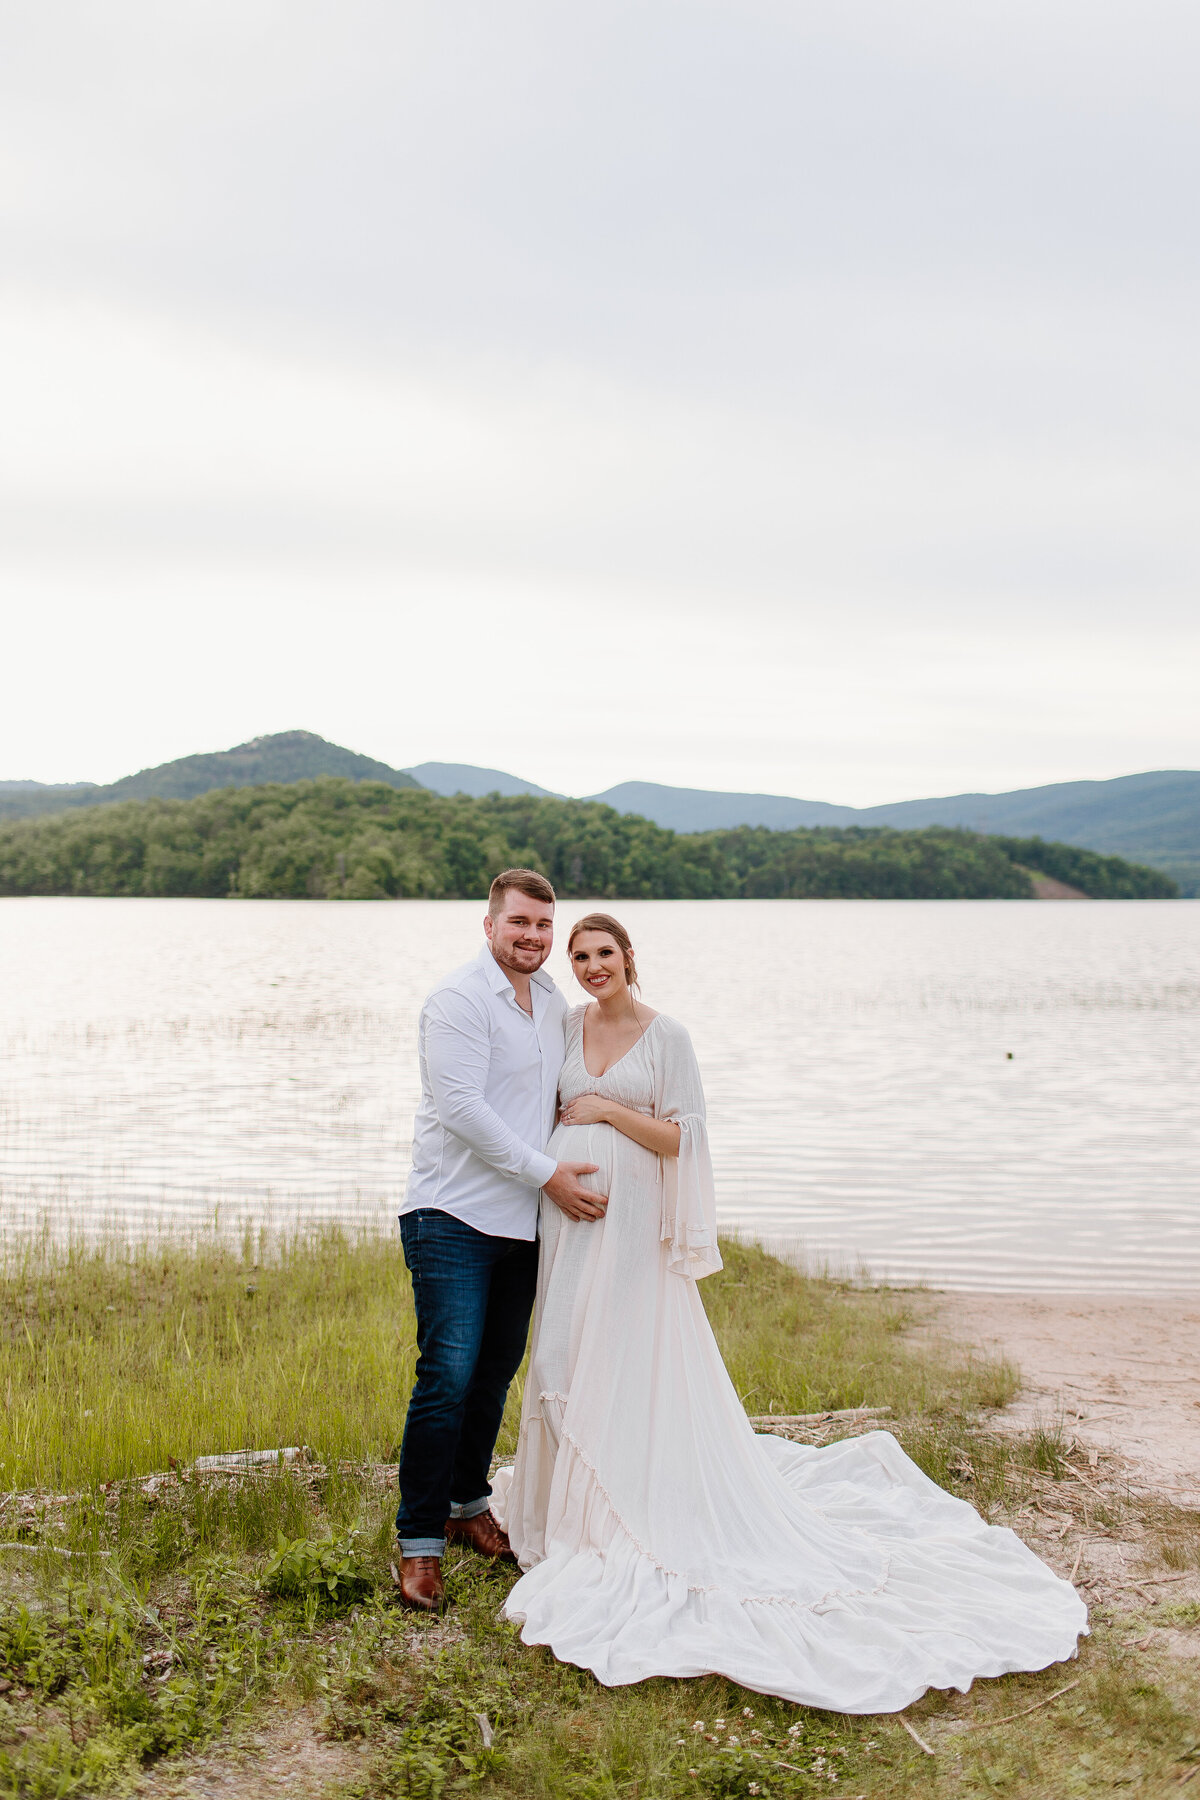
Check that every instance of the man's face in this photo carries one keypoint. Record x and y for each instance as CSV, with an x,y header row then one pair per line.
x,y
522,933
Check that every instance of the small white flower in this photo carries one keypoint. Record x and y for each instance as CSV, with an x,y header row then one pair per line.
x,y
698,1725
795,1731
754,1788
756,1737
747,1713
718,1724
736,1742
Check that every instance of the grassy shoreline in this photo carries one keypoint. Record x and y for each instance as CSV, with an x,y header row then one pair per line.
x,y
176,1622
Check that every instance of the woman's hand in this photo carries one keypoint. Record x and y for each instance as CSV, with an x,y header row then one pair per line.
x,y
662,1136
585,1109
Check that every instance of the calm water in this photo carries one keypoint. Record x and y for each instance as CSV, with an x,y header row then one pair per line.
x,y
984,1094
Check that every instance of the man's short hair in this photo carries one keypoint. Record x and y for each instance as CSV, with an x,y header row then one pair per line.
x,y
526,881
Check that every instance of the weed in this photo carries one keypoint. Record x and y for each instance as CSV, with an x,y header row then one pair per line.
x,y
328,1568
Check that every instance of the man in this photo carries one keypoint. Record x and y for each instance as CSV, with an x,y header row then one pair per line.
x,y
491,1047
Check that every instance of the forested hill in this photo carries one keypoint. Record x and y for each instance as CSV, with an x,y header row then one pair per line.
x,y
366,840
283,756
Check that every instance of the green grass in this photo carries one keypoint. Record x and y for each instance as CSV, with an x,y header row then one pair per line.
x,y
191,1607
794,1344
116,1361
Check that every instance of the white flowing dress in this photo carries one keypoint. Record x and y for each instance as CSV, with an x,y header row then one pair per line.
x,y
660,1535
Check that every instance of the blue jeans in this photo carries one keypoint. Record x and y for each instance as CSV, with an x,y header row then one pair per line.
x,y
473,1296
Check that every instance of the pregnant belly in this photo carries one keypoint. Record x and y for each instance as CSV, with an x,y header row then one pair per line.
x,y
619,1161
586,1144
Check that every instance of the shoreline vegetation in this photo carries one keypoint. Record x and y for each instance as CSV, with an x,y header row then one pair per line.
x,y
333,838
157,1618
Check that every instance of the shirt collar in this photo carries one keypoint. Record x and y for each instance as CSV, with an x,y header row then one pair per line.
x,y
498,981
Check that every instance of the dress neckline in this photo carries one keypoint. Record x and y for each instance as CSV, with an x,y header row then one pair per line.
x,y
617,1061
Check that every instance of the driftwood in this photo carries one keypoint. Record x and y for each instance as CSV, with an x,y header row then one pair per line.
x,y
237,1462
822,1418
805,1427
54,1549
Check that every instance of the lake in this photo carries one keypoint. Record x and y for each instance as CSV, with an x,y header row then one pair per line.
x,y
982,1094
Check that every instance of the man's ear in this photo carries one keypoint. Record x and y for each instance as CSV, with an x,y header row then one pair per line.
x,y
487,926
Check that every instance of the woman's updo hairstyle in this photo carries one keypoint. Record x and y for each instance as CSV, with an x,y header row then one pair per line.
x,y
615,930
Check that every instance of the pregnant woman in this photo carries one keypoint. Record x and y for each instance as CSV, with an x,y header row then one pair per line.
x,y
657,1532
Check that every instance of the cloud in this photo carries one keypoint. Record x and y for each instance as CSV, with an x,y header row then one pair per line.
x,y
844,361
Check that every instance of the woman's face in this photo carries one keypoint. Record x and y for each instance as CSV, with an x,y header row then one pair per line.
x,y
598,965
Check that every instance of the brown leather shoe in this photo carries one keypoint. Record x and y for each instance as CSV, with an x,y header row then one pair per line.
x,y
483,1534
420,1585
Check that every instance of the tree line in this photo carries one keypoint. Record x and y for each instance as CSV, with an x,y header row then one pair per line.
x,y
334,839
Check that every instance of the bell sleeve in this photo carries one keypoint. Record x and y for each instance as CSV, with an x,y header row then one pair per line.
x,y
689,1201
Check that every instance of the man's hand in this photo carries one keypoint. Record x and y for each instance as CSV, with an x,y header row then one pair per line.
x,y
569,1194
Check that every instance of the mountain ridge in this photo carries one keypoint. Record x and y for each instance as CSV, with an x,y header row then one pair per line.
x,y
1152,817
467,778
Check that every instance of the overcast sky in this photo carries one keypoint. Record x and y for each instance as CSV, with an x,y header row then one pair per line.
x,y
742,395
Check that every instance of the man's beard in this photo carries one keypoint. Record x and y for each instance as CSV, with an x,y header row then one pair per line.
x,y
522,962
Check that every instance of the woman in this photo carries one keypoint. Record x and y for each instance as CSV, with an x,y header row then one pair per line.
x,y
658,1534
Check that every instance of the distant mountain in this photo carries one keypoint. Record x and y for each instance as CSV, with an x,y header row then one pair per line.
x,y
283,756
1152,818
700,809
465,778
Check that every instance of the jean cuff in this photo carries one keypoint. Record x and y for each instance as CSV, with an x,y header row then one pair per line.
x,y
422,1546
469,1509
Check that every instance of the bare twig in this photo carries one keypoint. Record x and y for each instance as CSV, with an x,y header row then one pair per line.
x,y
1085,1481
1076,1563
915,1735
989,1724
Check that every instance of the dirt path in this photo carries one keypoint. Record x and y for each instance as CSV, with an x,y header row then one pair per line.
x,y
1123,1373
288,1755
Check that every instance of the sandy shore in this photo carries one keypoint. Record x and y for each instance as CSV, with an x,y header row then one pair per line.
x,y
1123,1373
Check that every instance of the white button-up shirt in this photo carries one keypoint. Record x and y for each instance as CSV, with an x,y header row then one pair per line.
x,y
489,1085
